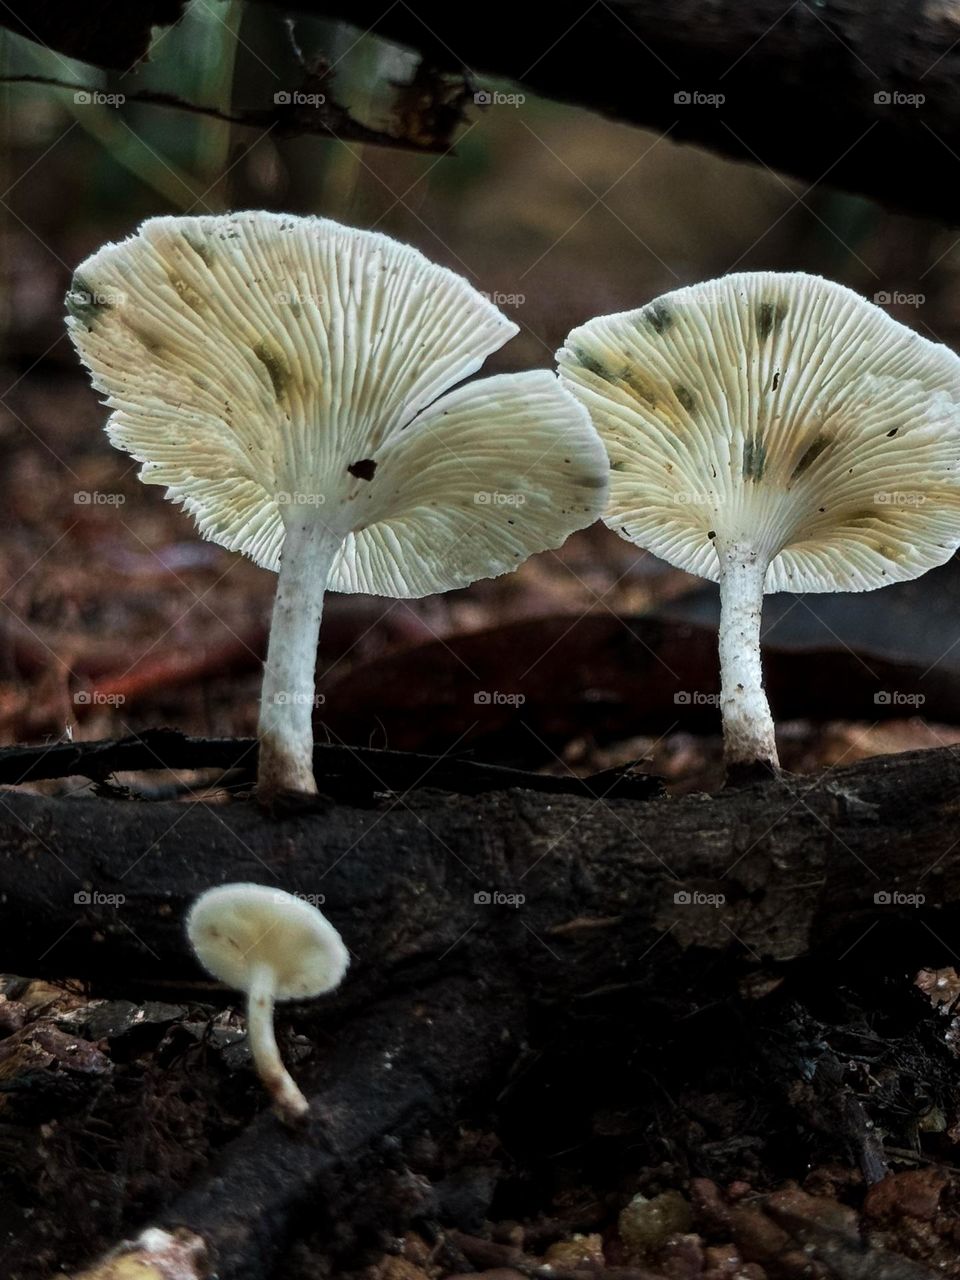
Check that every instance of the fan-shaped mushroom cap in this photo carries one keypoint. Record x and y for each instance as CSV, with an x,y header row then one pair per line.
x,y
780,412
257,360
234,927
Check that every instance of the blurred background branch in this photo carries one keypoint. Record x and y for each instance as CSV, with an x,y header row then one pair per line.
x,y
859,90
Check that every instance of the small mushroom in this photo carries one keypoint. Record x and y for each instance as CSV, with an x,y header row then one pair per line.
x,y
288,380
773,432
272,946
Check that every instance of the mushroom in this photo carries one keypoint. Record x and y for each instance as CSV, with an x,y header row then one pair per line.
x,y
288,380
272,946
773,432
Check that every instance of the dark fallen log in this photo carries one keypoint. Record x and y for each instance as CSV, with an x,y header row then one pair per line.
x,y
480,923
406,1064
854,93
98,890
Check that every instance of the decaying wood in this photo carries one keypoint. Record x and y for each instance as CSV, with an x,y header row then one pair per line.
x,y
474,918
98,889
406,1063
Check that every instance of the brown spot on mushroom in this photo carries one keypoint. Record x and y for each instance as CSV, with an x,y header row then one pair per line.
x,y
810,455
770,316
272,358
365,469
149,340
200,247
639,387
685,396
190,296
658,317
754,457
591,363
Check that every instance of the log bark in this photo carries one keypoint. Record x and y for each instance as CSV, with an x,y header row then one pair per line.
x,y
98,889
479,922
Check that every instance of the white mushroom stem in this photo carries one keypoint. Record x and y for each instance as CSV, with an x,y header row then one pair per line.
x,y
748,734
287,1098
287,699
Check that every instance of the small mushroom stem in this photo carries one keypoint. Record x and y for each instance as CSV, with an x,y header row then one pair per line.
x,y
288,1101
288,695
748,735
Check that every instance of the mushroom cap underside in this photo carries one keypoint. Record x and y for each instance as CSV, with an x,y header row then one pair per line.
x,y
265,368
781,413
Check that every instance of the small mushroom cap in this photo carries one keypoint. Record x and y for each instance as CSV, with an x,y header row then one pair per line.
x,y
235,926
261,365
780,412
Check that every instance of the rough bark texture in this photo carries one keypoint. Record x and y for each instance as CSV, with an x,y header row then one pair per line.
x,y
798,861
800,81
625,931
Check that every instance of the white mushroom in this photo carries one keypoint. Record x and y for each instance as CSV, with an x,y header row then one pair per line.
x,y
773,432
284,378
272,946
